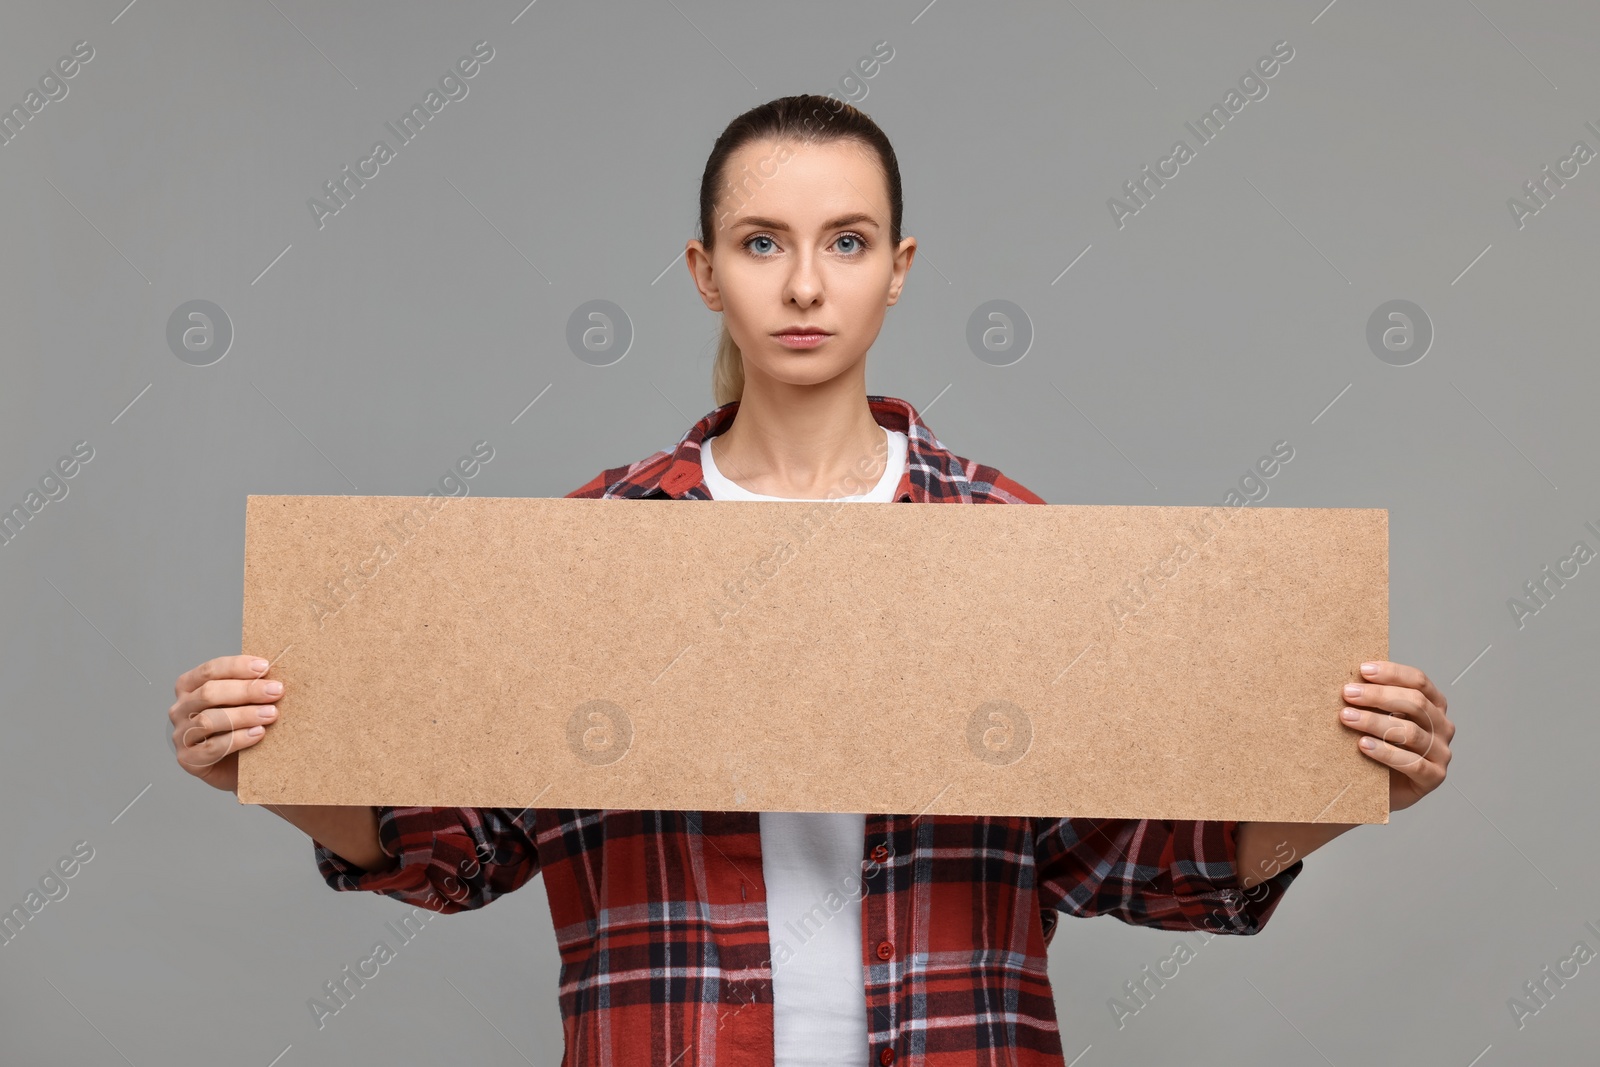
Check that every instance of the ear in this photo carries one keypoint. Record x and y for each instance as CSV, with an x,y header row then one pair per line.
x,y
902,264
699,263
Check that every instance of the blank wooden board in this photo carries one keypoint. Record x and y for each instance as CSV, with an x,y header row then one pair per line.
x,y
1042,660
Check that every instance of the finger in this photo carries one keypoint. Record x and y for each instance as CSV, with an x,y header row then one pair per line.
x,y
223,693
222,720
241,666
1397,700
1421,736
218,746
1400,732
1426,773
1386,673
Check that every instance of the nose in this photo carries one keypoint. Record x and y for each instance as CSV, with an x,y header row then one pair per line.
x,y
804,286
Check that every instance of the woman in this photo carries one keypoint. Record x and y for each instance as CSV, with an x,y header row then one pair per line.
x,y
736,952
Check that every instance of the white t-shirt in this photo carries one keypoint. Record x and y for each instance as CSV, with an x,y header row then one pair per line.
x,y
819,996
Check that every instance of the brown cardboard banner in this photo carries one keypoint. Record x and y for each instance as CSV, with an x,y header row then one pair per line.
x,y
1054,660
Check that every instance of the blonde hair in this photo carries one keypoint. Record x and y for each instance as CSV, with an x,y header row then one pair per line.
x,y
727,373
809,119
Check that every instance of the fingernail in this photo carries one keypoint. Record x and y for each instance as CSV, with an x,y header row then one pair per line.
x,y
1351,690
1349,715
274,688
268,714
1369,668
256,731
258,665
1368,743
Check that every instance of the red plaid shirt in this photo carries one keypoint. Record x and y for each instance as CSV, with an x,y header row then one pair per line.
x,y
661,917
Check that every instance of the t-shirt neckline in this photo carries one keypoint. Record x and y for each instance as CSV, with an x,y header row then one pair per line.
x,y
890,475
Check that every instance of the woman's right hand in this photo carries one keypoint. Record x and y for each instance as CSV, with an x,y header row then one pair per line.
x,y
223,705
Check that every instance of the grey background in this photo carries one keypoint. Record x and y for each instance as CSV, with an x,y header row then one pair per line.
x,y
1230,313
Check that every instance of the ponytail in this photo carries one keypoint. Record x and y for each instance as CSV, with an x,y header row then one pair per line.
x,y
727,374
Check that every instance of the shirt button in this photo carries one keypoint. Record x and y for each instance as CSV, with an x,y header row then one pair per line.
x,y
880,854
886,1057
885,950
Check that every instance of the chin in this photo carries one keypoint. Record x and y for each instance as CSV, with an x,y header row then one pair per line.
x,y
803,368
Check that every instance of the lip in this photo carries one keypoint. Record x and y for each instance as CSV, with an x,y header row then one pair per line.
x,y
802,337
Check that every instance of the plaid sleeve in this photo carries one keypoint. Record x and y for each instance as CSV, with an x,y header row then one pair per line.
x,y
1170,874
451,859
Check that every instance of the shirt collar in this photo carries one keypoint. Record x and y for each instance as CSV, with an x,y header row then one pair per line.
x,y
933,473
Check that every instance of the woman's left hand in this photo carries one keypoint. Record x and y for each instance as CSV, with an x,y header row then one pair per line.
x,y
1408,732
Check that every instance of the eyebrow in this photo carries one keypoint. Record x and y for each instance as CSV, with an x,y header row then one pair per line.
x,y
855,219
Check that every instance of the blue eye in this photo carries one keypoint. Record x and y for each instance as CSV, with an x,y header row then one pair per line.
x,y
860,245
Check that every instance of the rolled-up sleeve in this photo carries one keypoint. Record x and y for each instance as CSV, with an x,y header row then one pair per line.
x,y
451,859
1170,874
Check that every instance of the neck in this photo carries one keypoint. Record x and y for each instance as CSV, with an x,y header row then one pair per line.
x,y
798,441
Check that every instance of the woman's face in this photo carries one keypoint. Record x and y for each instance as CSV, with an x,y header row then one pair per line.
x,y
802,239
